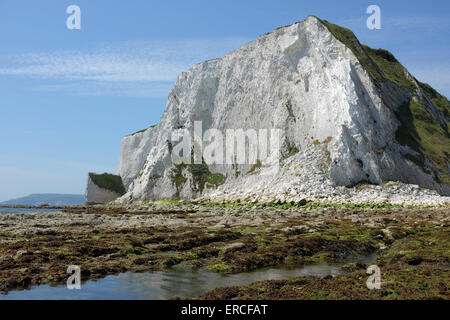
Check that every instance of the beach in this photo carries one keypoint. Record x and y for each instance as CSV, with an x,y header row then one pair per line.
x,y
410,247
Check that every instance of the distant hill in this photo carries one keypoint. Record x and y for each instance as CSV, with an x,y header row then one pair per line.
x,y
47,198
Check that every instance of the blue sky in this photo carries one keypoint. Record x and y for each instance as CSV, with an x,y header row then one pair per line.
x,y
67,97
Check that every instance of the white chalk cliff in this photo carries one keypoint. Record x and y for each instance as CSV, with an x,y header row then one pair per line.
x,y
340,124
133,153
97,195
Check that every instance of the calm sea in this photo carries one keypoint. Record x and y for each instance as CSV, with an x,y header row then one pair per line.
x,y
25,210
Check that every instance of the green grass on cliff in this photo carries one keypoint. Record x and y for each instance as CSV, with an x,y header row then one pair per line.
x,y
141,131
201,177
109,182
439,101
390,68
380,63
419,129
423,134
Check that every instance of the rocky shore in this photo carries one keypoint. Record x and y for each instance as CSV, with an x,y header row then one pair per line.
x,y
314,186
412,244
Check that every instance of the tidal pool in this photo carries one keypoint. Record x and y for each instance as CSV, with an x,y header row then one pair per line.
x,y
168,284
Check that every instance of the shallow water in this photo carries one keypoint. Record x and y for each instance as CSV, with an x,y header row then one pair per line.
x,y
167,284
25,210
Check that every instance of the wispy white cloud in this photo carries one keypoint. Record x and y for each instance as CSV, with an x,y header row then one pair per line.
x,y
133,89
128,69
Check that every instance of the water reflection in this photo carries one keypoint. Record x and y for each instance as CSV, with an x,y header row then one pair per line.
x,y
167,284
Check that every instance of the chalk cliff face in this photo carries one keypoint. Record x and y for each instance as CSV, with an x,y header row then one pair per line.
x,y
98,195
103,188
347,114
133,153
